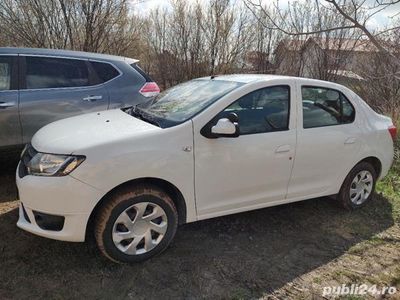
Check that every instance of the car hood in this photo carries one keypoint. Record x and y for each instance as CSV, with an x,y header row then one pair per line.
x,y
76,134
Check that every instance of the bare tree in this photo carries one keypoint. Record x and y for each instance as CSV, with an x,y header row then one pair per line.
x,y
317,55
320,38
86,25
195,39
354,13
265,42
349,17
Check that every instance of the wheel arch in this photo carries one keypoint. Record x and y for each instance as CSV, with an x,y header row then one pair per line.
x,y
167,186
375,162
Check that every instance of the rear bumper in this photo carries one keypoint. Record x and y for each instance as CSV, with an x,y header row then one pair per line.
x,y
52,198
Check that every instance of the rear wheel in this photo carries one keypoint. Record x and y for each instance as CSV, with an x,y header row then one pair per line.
x,y
136,224
358,186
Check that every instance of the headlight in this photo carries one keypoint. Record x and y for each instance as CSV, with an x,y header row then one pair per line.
x,y
43,164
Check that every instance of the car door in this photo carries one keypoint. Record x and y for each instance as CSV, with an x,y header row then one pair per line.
x,y
252,170
55,88
327,141
10,129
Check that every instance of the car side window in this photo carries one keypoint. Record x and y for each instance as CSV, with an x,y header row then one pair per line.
x,y
104,71
325,107
5,73
48,72
348,112
263,110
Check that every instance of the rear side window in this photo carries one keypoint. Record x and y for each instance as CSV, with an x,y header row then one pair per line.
x,y
44,72
325,107
104,71
5,73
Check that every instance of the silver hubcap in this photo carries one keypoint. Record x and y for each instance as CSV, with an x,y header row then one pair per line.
x,y
139,228
361,187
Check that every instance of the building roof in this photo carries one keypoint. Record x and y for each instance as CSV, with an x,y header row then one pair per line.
x,y
346,73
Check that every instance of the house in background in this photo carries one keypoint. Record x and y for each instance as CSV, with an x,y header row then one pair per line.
x,y
332,59
257,62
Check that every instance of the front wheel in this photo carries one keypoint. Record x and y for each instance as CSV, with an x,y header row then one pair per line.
x,y
358,187
136,224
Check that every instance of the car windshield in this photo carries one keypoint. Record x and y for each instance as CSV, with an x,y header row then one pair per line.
x,y
182,102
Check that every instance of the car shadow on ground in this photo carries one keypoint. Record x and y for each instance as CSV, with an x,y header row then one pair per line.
x,y
243,255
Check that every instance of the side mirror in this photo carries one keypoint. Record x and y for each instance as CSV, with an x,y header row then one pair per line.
x,y
225,127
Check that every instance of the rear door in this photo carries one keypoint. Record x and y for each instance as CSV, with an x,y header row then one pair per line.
x,y
327,141
55,88
10,129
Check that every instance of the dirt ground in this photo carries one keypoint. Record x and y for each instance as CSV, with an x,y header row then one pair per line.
x,y
289,251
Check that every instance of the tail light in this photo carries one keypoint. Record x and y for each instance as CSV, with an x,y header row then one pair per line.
x,y
393,132
150,89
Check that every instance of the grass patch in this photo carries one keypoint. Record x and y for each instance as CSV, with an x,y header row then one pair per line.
x,y
351,297
362,247
389,187
396,278
347,276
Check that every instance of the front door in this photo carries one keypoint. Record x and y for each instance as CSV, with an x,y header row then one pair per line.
x,y
57,88
252,170
10,129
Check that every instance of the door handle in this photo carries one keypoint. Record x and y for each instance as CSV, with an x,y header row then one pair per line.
x,y
92,98
349,141
283,149
7,104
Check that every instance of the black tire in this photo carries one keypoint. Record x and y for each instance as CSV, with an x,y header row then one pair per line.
x,y
344,194
118,203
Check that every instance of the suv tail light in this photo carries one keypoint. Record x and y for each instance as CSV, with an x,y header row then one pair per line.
x,y
393,132
150,89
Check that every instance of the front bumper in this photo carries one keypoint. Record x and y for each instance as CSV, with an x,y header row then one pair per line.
x,y
64,197
73,229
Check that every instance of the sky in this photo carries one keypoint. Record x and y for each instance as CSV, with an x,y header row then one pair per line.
x,y
380,20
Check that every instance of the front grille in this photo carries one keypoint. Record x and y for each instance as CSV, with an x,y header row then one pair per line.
x,y
28,153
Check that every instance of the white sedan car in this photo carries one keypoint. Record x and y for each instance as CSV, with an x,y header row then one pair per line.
x,y
202,149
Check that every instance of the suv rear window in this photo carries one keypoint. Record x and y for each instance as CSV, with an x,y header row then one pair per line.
x,y
104,71
45,72
141,72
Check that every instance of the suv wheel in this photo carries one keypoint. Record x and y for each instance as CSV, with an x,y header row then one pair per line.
x,y
358,186
137,224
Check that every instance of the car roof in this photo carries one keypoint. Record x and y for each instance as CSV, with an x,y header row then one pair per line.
x,y
66,53
248,78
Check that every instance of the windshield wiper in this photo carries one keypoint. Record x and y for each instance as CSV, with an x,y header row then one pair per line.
x,y
138,113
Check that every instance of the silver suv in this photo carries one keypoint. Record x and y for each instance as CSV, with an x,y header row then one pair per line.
x,y
39,86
